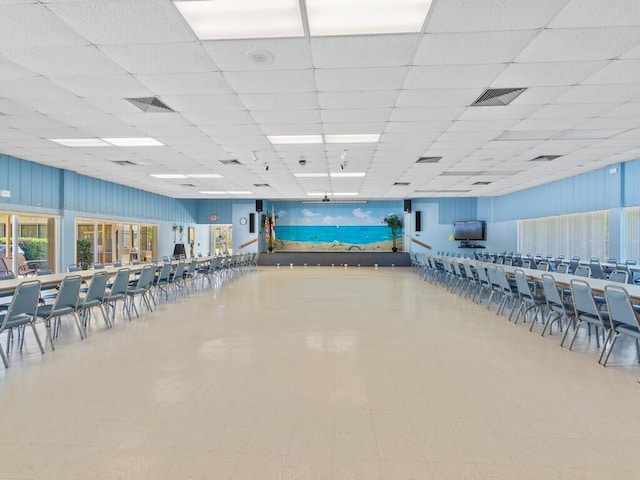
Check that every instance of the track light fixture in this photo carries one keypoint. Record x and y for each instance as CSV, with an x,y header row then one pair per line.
x,y
266,166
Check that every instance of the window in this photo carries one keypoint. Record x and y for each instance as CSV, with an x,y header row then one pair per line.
x,y
585,235
632,233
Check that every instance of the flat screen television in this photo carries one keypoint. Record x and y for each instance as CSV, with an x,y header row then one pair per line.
x,y
471,230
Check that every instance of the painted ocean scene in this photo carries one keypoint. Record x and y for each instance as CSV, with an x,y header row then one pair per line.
x,y
333,227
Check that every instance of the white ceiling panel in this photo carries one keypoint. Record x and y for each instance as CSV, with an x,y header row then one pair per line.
x,y
458,97
33,25
498,113
559,124
364,51
276,101
482,125
589,94
221,117
236,55
360,79
539,74
122,86
353,128
125,21
452,76
228,129
617,71
426,114
356,115
580,44
71,60
410,127
472,48
347,100
272,81
203,103
629,109
492,15
208,83
286,116
585,111
166,58
292,129
595,13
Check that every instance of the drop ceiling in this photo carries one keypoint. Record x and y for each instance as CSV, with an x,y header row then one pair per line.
x,y
67,69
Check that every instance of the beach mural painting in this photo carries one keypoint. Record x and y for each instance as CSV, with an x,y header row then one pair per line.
x,y
349,227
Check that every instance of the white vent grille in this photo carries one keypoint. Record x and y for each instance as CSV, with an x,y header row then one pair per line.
x,y
149,104
230,162
545,158
428,159
497,97
123,163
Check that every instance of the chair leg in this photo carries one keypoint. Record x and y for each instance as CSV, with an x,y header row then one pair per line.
x,y
5,360
613,342
35,334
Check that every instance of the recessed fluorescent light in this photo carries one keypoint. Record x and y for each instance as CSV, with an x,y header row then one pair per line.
x,y
310,175
204,175
228,19
168,175
133,142
294,139
239,193
315,194
357,138
345,194
80,142
348,174
355,17
212,192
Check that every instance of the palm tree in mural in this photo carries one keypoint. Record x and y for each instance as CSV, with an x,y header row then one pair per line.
x,y
394,222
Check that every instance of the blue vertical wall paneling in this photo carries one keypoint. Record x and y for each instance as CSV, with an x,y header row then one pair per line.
x,y
30,184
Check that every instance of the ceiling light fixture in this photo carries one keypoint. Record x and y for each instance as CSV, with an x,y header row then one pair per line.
x,y
355,17
353,138
347,174
80,142
294,139
232,19
310,175
204,175
168,175
133,142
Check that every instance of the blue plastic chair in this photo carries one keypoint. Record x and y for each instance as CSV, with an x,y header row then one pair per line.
x,y
624,320
65,303
21,312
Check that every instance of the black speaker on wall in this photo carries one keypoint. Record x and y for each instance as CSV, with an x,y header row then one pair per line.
x,y
418,221
258,206
252,223
407,205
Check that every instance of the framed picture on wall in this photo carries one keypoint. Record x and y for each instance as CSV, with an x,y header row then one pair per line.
x,y
191,234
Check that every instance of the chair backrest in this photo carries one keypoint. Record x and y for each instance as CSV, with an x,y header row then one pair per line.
x,y
179,271
164,273
544,266
494,281
121,282
68,292
98,266
583,300
24,302
166,259
504,282
469,272
482,275
98,286
625,268
619,306
550,290
8,275
74,268
582,271
631,262
192,267
117,264
562,268
146,276
522,284
43,271
596,269
619,276
135,262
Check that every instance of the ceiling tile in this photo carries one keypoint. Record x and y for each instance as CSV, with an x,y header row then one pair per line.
x,y
235,55
452,97
364,51
595,13
356,115
618,71
588,94
120,86
208,83
577,44
545,74
452,76
425,114
360,79
348,100
125,21
293,101
286,116
492,15
160,58
33,25
278,81
71,60
472,48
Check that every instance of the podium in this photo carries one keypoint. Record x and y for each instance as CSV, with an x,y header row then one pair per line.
x,y
178,249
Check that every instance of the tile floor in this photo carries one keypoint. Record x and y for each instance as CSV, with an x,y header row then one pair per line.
x,y
318,373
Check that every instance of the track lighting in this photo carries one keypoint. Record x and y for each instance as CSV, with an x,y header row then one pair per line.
x,y
266,166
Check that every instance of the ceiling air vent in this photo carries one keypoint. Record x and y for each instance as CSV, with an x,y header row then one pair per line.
x,y
461,174
401,184
123,163
230,162
545,158
188,185
482,183
497,97
261,185
149,104
428,159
